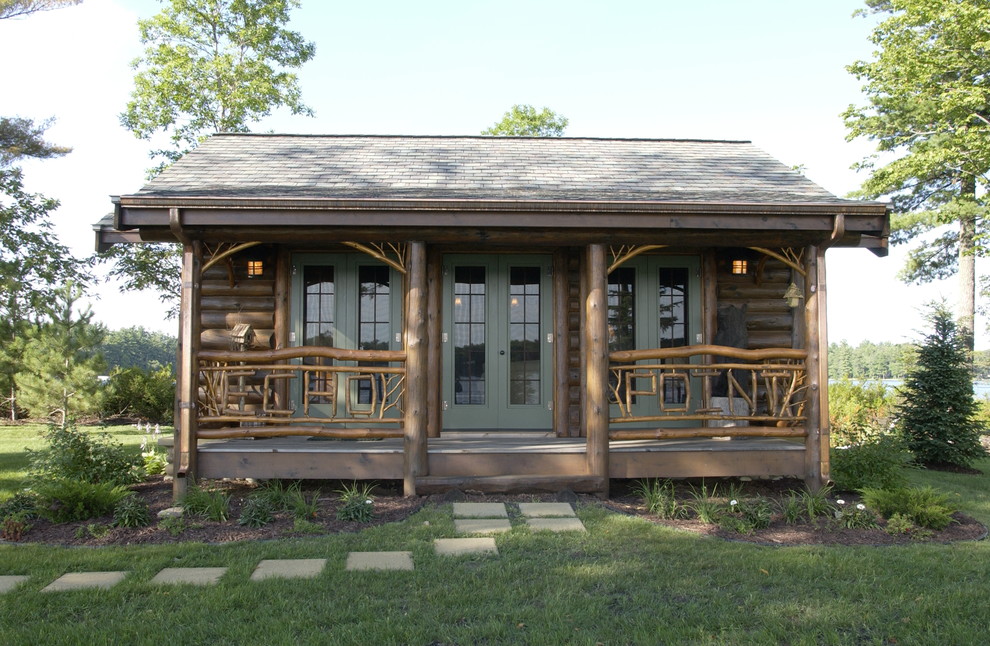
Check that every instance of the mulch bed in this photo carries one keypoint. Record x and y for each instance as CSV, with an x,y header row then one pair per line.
x,y
390,507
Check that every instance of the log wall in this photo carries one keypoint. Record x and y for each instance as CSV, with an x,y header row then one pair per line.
x,y
769,321
230,298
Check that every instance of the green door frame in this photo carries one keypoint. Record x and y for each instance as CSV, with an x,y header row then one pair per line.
x,y
492,408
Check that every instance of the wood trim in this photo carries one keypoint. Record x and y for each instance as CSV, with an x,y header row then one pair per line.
x,y
629,356
416,459
813,410
434,323
596,410
561,382
189,339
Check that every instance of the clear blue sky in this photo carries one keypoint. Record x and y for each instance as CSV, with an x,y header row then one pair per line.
x,y
770,71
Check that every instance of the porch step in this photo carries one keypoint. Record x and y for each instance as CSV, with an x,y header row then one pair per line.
x,y
510,483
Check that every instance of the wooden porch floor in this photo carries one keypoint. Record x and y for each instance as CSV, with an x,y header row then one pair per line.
x,y
492,454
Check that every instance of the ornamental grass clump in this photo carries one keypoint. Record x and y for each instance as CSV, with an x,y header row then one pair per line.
x,y
131,511
357,503
660,499
257,512
207,503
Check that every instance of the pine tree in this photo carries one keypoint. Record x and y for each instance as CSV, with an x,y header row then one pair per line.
x,y
61,366
938,416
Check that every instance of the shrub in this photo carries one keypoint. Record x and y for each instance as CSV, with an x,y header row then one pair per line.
x,y
74,454
146,394
659,498
858,412
14,526
357,503
924,506
207,503
746,515
131,511
23,503
938,414
64,500
856,516
257,512
876,462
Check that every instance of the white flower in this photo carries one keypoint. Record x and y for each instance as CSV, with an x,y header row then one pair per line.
x,y
733,502
367,502
861,507
840,502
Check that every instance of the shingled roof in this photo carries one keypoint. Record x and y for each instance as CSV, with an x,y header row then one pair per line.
x,y
483,168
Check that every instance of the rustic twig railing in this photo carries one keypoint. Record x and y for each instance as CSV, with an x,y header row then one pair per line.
x,y
249,389
760,390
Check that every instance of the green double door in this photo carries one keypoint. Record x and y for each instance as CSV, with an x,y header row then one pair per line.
x,y
497,343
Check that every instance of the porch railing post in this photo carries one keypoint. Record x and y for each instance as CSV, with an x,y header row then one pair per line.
x,y
188,392
813,408
416,459
596,364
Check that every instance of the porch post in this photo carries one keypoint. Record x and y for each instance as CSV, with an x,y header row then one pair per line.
x,y
596,364
188,394
415,460
813,476
824,427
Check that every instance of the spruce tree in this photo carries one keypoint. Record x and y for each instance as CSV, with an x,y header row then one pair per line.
x,y
938,415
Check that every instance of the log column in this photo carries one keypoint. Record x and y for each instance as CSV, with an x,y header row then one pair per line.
x,y
415,463
813,476
596,363
188,394
824,428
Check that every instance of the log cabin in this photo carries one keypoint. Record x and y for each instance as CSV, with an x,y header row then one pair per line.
x,y
496,313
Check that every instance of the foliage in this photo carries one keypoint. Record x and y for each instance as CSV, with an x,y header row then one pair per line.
x,y
874,462
357,503
19,8
303,526
66,500
816,503
938,414
746,515
705,504
257,512
924,506
869,361
856,516
60,364
926,90
525,121
20,137
131,511
859,412
900,524
660,499
206,503
79,455
136,347
791,508
174,525
14,526
136,392
23,503
303,508
155,266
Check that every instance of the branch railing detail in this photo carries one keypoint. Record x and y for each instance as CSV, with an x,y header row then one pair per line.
x,y
761,387
336,386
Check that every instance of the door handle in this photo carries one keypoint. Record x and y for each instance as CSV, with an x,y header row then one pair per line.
x,y
501,352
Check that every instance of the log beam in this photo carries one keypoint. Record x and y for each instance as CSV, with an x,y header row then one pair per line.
x,y
415,462
596,411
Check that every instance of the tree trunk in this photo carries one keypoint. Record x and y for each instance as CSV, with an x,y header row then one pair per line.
x,y
967,268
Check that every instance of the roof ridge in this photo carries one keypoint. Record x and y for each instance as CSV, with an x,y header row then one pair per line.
x,y
480,137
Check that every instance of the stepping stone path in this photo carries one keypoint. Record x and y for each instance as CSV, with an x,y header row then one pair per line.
x,y
469,518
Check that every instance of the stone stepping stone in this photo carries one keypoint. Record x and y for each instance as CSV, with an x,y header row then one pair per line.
x,y
481,525
463,546
480,510
556,525
85,581
10,581
379,561
189,575
288,569
545,509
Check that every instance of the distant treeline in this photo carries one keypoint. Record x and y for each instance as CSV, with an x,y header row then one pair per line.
x,y
136,347
870,360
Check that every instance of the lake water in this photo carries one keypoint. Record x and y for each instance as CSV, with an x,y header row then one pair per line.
x,y
981,389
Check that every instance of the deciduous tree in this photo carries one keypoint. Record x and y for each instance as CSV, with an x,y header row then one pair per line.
x,y
526,121
18,8
927,89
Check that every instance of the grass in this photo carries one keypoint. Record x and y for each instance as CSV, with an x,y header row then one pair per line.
x,y
624,582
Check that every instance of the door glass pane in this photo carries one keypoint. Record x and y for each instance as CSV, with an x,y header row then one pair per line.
x,y
374,324
672,323
469,335
524,335
319,294
621,321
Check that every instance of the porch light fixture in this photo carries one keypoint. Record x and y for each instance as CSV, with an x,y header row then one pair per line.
x,y
255,268
793,295
740,267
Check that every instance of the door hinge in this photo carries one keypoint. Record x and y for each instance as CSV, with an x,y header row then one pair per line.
x,y
398,337
550,405
444,405
443,337
549,337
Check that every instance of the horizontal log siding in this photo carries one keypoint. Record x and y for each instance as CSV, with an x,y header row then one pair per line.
x,y
769,321
226,303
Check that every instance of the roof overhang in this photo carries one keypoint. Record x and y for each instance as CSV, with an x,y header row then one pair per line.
x,y
147,218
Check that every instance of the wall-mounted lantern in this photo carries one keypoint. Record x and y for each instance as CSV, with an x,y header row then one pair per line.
x,y
740,267
793,295
255,268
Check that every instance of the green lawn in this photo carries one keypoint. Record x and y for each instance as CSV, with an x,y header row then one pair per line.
x,y
625,582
